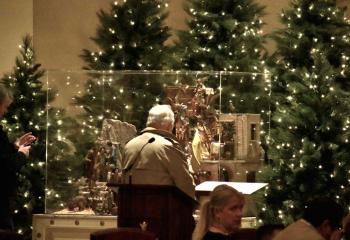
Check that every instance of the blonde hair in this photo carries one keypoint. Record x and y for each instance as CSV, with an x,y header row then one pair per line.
x,y
218,199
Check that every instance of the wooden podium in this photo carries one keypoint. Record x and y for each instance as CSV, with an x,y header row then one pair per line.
x,y
166,210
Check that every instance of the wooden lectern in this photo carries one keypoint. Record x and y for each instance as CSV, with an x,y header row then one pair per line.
x,y
166,210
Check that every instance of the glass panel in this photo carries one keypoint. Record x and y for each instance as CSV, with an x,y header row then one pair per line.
x,y
221,121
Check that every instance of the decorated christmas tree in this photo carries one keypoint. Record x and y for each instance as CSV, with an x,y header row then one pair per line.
x,y
31,112
226,35
130,36
309,141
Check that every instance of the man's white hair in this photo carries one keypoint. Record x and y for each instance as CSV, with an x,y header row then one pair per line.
x,y
160,116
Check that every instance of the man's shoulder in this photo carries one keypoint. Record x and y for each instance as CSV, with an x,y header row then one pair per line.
x,y
146,137
136,140
170,140
160,135
299,230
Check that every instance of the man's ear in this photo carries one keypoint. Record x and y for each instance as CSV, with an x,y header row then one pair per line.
x,y
325,229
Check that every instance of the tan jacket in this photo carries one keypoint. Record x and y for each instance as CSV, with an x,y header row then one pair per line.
x,y
156,157
299,230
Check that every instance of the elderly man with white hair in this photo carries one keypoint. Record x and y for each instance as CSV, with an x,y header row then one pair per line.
x,y
156,157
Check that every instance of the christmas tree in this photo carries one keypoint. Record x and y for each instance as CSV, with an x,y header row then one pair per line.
x,y
309,141
131,36
29,113
226,35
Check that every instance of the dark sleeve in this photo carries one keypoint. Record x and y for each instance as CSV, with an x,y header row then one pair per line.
x,y
12,161
10,158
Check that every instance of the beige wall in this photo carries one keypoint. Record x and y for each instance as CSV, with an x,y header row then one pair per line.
x,y
62,28
16,19
271,18
177,18
344,3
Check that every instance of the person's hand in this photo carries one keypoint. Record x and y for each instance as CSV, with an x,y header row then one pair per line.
x,y
24,149
26,139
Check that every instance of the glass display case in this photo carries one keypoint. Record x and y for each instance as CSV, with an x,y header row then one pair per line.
x,y
222,121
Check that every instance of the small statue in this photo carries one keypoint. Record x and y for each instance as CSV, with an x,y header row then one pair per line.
x,y
92,166
144,226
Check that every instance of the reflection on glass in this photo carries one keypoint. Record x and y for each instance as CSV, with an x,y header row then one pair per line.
x,y
221,118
